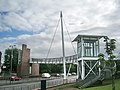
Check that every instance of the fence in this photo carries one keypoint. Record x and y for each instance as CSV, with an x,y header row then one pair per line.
x,y
34,85
8,82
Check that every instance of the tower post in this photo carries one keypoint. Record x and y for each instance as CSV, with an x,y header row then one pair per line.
x,y
63,50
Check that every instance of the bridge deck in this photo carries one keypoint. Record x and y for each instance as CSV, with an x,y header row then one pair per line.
x,y
59,60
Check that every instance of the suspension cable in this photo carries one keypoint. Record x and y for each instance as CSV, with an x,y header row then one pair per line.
x,y
71,44
69,36
53,39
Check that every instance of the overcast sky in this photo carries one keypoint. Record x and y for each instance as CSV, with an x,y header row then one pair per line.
x,y
33,22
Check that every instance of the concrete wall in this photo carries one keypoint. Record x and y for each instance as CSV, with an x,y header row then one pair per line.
x,y
35,69
24,65
23,68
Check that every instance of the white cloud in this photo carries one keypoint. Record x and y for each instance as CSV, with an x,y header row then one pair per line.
x,y
16,22
36,15
41,16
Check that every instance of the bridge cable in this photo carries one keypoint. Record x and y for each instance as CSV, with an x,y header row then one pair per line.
x,y
69,37
71,44
53,39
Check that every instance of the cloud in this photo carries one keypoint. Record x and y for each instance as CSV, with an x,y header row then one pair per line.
x,y
41,16
37,15
16,22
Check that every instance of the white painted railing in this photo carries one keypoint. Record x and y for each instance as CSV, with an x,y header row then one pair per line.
x,y
59,60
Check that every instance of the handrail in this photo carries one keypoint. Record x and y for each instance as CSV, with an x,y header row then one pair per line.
x,y
88,81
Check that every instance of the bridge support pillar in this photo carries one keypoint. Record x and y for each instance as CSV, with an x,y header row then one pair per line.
x,y
23,67
35,69
83,70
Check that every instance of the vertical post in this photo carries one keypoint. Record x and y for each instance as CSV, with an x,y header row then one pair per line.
x,y
77,68
11,57
69,69
78,56
43,84
98,47
64,61
99,69
82,63
98,53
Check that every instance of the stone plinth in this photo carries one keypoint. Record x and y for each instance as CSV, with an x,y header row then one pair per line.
x,y
35,69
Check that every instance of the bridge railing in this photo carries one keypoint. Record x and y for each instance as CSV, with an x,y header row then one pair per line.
x,y
35,85
59,60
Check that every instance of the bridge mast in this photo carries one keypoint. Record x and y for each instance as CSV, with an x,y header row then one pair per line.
x,y
63,50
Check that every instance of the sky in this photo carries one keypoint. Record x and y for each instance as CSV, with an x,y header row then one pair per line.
x,y
33,22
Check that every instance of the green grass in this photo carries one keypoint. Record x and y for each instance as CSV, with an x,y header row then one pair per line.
x,y
102,87
107,87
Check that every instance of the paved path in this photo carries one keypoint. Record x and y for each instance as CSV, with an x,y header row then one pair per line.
x,y
64,87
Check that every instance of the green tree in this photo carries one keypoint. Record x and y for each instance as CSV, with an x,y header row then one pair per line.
x,y
74,68
8,57
15,60
109,48
45,68
117,66
51,68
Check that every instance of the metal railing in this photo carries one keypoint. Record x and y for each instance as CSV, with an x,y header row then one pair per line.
x,y
88,81
58,60
35,85
8,82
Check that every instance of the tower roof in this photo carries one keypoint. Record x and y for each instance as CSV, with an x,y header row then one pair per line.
x,y
90,37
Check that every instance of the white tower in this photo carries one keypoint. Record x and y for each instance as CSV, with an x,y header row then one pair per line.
x,y
88,49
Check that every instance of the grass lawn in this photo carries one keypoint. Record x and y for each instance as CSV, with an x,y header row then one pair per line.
x,y
107,87
102,87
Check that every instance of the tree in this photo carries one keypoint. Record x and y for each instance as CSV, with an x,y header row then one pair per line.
x,y
8,57
15,60
51,68
117,66
109,49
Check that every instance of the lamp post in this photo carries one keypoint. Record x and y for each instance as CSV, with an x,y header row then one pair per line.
x,y
12,46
